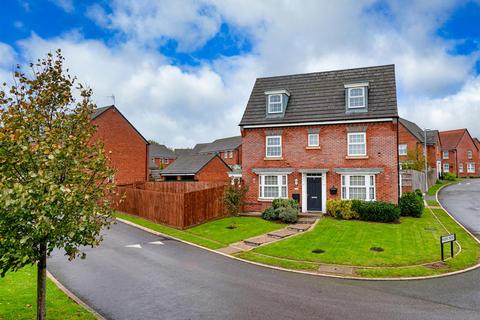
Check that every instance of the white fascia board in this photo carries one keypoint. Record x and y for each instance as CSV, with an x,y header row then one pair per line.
x,y
278,92
356,84
315,123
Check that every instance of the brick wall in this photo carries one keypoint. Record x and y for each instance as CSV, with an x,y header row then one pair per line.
x,y
125,147
406,137
235,159
215,170
465,144
381,150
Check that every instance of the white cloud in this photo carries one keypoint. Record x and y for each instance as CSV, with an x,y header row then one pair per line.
x,y
180,105
191,23
65,5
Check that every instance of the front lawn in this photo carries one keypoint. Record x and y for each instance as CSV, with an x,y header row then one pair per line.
x,y
411,242
214,234
18,294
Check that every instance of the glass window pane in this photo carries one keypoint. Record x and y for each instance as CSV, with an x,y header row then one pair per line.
x,y
358,193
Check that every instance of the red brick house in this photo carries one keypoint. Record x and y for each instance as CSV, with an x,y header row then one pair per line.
x,y
320,136
197,167
460,154
477,143
229,149
411,144
160,157
125,146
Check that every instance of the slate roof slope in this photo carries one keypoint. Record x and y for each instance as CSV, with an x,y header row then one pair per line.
x,y
451,138
161,151
320,96
188,164
418,132
199,146
183,152
99,111
224,144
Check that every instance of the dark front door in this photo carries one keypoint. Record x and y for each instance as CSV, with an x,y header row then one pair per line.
x,y
314,194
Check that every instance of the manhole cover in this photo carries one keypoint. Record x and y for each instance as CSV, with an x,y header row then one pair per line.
x,y
318,251
377,249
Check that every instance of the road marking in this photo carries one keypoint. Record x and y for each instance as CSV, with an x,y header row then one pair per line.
x,y
157,242
134,246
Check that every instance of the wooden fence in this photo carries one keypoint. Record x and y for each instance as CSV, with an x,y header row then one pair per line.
x,y
413,179
176,204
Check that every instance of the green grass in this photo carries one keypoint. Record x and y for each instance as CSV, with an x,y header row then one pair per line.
x,y
433,203
18,294
213,234
433,189
411,242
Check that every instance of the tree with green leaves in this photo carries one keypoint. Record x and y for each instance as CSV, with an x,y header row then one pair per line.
x,y
54,185
234,197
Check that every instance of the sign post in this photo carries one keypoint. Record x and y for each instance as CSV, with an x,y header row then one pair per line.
x,y
446,239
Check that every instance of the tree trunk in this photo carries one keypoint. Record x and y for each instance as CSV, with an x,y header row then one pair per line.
x,y
41,282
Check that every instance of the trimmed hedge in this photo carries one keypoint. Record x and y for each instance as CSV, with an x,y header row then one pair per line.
x,y
376,211
284,203
341,209
448,176
411,204
285,210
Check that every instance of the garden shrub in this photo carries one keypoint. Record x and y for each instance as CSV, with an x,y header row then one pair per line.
x,y
411,204
270,214
377,211
419,193
287,214
341,209
279,203
448,176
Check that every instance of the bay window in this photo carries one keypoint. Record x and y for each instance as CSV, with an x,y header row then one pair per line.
x,y
273,186
361,187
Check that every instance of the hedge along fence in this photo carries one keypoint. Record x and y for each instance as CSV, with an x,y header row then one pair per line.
x,y
176,204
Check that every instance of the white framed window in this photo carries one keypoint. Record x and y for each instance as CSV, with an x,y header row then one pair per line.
x,y
402,149
275,103
356,97
273,186
460,167
446,167
274,146
357,145
361,187
313,140
225,155
445,154
470,167
230,154
470,154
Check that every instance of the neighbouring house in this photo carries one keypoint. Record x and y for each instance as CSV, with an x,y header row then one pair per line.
x,y
160,157
126,148
197,167
477,143
320,136
229,149
183,151
411,145
459,153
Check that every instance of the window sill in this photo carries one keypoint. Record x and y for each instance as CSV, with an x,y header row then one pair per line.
x,y
356,157
313,148
273,158
269,199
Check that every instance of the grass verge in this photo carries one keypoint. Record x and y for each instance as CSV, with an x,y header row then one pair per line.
x,y
433,203
434,189
18,296
214,234
406,246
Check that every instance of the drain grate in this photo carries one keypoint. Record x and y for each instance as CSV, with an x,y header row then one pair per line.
x,y
318,251
377,249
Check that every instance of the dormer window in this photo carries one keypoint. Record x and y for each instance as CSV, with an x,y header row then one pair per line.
x,y
275,103
356,96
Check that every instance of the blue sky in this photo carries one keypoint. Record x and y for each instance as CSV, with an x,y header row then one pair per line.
x,y
182,70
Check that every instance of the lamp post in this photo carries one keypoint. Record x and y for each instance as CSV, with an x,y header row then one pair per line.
x,y
425,157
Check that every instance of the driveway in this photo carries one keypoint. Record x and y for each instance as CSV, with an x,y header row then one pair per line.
x,y
463,202
136,275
